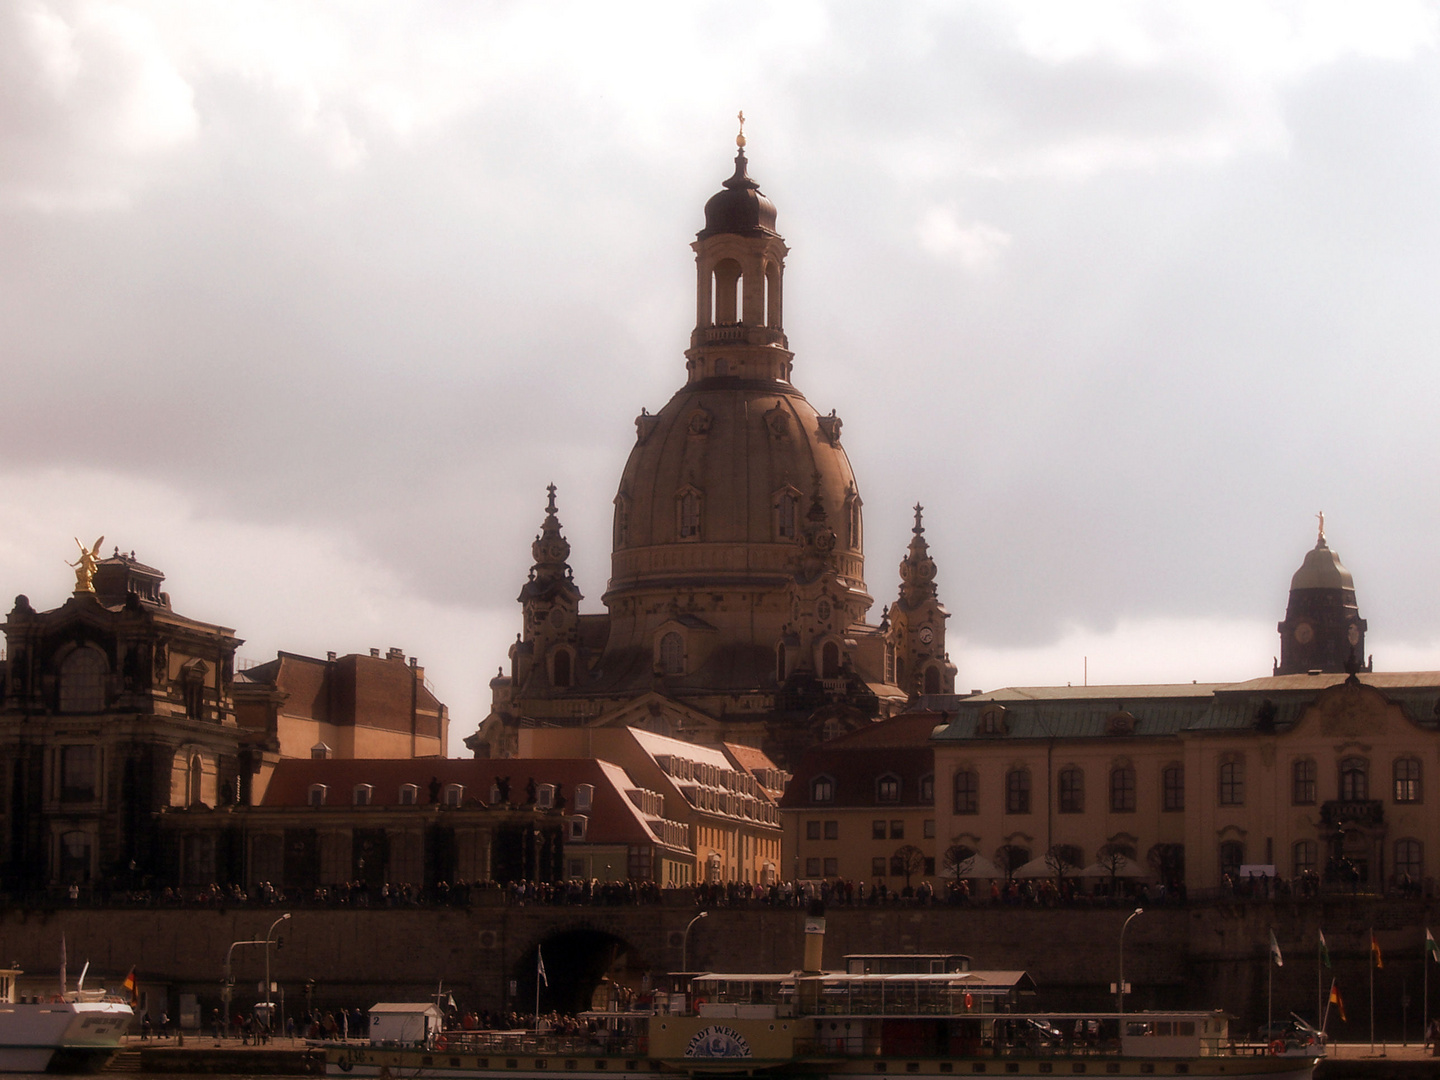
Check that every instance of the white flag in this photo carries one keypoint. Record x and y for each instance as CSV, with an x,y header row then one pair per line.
x,y
1275,951
540,966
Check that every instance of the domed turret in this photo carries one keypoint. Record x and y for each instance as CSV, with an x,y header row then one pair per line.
x,y
711,516
1322,630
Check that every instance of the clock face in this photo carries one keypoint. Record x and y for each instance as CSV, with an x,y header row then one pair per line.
x,y
1354,634
927,636
1304,633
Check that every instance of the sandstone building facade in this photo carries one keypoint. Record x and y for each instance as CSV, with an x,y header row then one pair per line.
x,y
737,607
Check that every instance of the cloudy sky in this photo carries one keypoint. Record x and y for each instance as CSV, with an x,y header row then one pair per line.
x,y
307,302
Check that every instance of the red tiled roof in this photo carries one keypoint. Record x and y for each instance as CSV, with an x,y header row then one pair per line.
x,y
613,818
907,729
854,771
749,758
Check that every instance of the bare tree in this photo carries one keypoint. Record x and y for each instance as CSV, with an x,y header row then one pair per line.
x,y
910,859
959,859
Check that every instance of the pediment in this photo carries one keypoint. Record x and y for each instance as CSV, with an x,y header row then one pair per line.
x,y
1352,710
656,712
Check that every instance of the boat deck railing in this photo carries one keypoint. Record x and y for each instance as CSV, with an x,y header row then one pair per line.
x,y
509,1042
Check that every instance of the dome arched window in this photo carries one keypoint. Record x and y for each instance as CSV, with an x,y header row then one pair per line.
x,y
687,508
787,514
672,654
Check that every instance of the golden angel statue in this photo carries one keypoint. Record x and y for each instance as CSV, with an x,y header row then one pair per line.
x,y
85,566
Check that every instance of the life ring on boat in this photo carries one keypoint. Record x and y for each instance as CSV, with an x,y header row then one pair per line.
x,y
969,1001
440,1042
697,1003
1277,1047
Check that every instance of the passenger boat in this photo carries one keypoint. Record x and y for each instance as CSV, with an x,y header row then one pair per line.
x,y
929,1016
73,1031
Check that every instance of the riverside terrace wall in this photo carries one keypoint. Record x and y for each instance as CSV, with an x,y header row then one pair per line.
x,y
1208,955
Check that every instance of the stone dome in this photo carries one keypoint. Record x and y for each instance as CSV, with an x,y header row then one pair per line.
x,y
1322,569
739,448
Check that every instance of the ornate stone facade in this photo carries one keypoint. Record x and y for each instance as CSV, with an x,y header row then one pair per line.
x,y
737,605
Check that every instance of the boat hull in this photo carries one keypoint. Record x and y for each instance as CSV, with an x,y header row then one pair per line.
x,y
60,1036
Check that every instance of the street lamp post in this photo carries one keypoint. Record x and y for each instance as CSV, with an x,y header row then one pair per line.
x,y
1120,986
685,940
269,1008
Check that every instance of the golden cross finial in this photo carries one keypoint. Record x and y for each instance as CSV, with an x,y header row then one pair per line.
x,y
740,139
1321,516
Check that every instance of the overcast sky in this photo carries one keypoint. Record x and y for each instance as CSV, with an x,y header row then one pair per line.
x,y
306,303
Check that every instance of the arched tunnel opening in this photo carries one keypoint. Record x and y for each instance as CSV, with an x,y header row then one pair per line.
x,y
578,963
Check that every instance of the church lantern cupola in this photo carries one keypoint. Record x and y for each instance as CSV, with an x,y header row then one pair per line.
x,y
916,659
1322,630
740,274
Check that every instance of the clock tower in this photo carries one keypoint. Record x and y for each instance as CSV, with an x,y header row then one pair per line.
x,y
1322,630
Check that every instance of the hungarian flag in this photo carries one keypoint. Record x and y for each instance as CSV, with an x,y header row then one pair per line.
x,y
1337,1000
1431,949
130,991
1324,950
1375,951
1275,951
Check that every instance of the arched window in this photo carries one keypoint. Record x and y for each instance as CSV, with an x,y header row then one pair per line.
x,y
773,296
1354,779
727,294
932,680
833,728
1012,857
1172,788
1409,859
822,789
194,781
787,513
1304,854
361,794
562,667
1232,783
1232,857
316,795
1017,791
852,515
82,681
409,794
622,520
75,857
966,789
927,789
1302,782
454,794
1122,790
1407,779
672,654
689,515
830,661
1072,790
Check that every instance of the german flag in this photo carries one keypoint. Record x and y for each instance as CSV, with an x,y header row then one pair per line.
x,y
130,989
1375,951
1338,1001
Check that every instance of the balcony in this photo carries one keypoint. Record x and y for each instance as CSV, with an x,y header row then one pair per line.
x,y
1353,812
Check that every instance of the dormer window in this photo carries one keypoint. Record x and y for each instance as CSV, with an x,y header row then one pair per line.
x,y
584,795
992,720
316,795
545,796
453,794
822,789
887,789
409,794
361,795
319,752
1120,723
578,825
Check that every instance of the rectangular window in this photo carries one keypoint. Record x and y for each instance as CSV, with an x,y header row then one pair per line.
x,y
1172,785
1302,788
832,830
812,830
897,830
1017,791
877,866
929,865
1407,780
812,867
929,828
967,792
77,774
877,830
1232,783
832,867
1122,790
